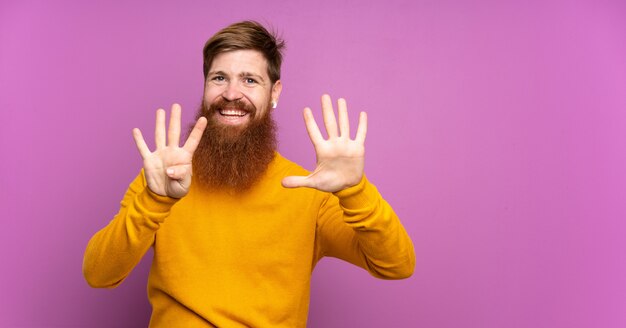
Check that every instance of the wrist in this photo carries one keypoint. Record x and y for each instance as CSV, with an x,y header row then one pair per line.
x,y
155,203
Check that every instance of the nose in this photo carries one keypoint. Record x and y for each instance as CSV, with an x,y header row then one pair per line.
x,y
232,92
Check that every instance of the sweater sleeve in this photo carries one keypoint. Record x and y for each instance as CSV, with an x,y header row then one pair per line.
x,y
115,250
357,225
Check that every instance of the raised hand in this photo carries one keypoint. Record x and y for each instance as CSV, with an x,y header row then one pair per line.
x,y
340,160
168,168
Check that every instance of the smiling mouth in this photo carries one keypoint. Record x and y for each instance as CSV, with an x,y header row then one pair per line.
x,y
232,112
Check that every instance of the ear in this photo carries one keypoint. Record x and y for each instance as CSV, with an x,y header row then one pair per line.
x,y
276,89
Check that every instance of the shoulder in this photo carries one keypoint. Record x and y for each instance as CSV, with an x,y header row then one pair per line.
x,y
282,165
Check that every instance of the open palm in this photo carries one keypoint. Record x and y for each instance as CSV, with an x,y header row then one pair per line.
x,y
340,160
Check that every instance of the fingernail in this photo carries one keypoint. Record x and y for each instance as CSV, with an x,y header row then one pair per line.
x,y
170,171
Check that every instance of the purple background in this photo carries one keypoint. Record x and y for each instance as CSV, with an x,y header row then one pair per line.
x,y
497,132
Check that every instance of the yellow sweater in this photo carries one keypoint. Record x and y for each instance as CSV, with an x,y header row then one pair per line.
x,y
230,259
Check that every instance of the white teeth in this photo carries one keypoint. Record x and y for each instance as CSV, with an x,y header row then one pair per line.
x,y
232,112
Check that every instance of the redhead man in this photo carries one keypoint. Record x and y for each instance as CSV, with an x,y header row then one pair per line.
x,y
236,228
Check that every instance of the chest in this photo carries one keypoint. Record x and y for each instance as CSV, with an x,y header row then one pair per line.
x,y
239,231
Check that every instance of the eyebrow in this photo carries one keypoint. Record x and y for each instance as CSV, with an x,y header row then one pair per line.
x,y
242,74
246,74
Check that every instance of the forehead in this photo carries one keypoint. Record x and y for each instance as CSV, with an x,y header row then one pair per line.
x,y
239,61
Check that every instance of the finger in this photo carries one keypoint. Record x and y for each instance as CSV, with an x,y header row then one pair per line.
x,y
329,116
344,122
311,127
173,133
178,172
159,130
196,135
297,182
362,129
144,151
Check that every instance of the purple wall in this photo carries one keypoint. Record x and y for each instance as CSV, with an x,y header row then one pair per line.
x,y
497,132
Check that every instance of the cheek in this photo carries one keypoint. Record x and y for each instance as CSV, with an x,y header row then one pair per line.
x,y
262,99
211,94
262,104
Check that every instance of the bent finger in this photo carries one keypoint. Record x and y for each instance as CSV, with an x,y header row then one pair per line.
x,y
178,172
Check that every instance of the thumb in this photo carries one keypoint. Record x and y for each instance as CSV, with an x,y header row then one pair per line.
x,y
297,181
178,172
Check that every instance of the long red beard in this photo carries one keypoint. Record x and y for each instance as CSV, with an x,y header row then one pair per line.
x,y
233,157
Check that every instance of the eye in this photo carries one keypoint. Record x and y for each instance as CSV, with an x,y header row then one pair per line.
x,y
218,78
250,80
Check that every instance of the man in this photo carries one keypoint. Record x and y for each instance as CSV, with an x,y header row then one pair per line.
x,y
236,241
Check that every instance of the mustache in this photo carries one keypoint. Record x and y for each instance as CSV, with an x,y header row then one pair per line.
x,y
233,104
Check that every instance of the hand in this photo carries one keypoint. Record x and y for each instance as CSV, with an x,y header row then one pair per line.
x,y
168,168
340,160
